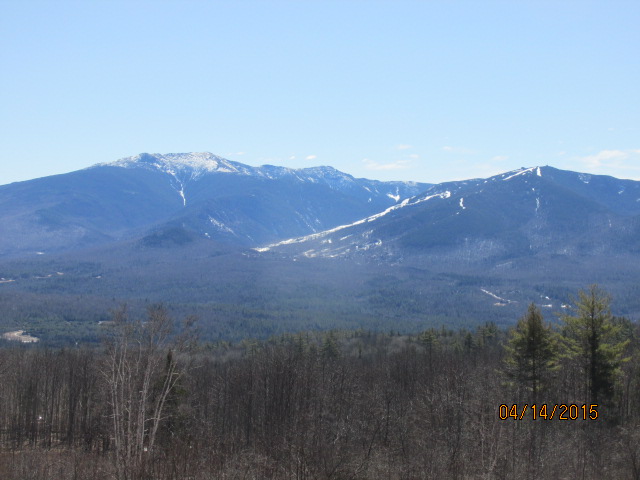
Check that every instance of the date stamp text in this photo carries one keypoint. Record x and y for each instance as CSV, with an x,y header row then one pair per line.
x,y
548,412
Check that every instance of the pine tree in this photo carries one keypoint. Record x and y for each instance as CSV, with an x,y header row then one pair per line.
x,y
429,339
531,352
330,347
594,341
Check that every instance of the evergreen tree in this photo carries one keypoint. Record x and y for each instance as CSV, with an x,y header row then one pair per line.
x,y
429,339
531,352
594,340
330,347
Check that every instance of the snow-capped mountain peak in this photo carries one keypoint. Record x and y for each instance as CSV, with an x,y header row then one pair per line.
x,y
182,167
192,164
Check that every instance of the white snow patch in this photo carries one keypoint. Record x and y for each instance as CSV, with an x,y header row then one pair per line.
x,y
538,172
505,265
394,197
220,226
20,336
537,203
307,221
502,301
462,204
520,172
366,247
180,184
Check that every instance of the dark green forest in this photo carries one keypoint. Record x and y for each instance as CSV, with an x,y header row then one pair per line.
x,y
63,300
543,399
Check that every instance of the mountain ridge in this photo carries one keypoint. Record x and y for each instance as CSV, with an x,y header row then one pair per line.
x,y
539,205
212,196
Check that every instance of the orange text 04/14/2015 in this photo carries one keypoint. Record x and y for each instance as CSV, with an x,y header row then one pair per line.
x,y
548,412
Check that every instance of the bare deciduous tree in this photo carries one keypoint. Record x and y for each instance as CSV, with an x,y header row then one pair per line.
x,y
141,371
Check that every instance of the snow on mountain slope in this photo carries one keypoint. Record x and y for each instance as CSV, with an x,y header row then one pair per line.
x,y
405,203
185,168
150,193
528,211
191,164
182,168
319,209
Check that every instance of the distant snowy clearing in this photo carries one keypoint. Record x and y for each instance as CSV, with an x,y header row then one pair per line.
x,y
19,336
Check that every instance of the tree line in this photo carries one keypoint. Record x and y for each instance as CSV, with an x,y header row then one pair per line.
x,y
153,404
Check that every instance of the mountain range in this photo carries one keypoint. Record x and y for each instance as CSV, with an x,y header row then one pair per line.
x,y
206,195
256,251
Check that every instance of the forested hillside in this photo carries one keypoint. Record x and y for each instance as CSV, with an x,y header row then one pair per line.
x,y
373,255
533,402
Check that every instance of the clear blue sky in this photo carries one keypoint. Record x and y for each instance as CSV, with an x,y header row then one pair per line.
x,y
412,90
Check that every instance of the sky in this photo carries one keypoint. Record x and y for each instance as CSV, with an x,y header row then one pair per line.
x,y
425,91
